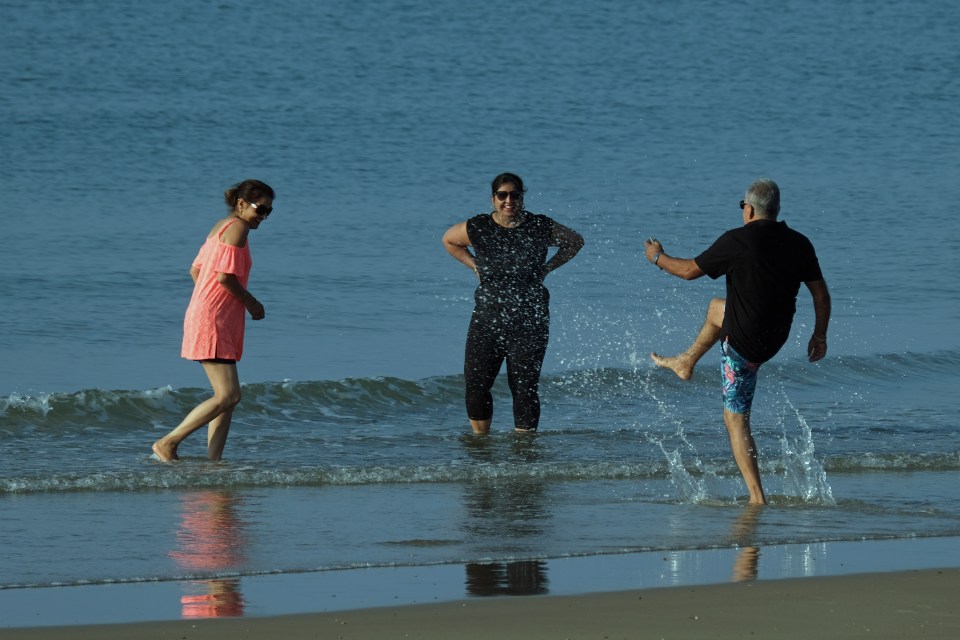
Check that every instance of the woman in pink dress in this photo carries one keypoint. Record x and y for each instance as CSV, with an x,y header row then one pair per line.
x,y
214,322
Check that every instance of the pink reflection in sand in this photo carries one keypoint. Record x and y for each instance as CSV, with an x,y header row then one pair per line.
x,y
210,540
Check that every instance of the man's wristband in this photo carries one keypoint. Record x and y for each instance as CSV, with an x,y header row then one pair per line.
x,y
656,257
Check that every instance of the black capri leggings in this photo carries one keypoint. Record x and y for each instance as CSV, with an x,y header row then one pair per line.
x,y
523,343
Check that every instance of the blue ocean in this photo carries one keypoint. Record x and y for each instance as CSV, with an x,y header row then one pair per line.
x,y
380,124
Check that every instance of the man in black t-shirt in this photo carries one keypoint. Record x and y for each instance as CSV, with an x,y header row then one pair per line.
x,y
764,262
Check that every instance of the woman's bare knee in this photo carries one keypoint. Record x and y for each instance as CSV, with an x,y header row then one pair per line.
x,y
227,400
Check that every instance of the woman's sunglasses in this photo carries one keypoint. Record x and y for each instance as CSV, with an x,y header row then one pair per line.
x,y
262,210
502,195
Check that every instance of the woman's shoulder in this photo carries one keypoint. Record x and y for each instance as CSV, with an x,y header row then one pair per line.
x,y
540,220
231,231
479,220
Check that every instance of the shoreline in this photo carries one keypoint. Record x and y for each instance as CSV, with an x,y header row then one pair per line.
x,y
495,591
918,603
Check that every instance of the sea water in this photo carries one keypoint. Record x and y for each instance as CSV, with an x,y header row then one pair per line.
x,y
380,125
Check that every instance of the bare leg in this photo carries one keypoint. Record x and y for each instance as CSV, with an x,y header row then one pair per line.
x,y
217,434
481,427
219,427
745,453
683,364
226,395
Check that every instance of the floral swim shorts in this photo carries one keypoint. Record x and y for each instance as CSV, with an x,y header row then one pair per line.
x,y
739,380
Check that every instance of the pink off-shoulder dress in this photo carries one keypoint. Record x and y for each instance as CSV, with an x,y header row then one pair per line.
x,y
214,323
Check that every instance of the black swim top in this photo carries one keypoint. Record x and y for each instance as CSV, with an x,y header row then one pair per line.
x,y
510,261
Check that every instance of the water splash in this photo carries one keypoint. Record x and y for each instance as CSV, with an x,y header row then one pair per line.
x,y
690,487
803,474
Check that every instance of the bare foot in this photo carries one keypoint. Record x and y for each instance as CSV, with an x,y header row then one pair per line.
x,y
680,364
165,452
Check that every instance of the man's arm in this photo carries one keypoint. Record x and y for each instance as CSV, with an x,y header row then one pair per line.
x,y
685,268
817,347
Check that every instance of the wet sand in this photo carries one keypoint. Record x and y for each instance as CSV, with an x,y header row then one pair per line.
x,y
909,604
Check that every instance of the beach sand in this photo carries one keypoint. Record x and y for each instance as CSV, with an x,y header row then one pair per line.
x,y
908,604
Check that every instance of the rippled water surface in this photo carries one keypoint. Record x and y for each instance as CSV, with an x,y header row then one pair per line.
x,y
380,125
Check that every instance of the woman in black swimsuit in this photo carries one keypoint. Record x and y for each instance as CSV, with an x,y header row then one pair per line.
x,y
511,319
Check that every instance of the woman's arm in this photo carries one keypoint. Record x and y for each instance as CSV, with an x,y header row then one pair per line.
x,y
236,235
456,241
230,282
570,243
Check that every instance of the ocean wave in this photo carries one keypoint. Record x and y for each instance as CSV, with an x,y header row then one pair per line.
x,y
205,475
370,397
889,462
353,397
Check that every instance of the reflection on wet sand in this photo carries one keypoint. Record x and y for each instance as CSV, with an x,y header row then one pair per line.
x,y
741,534
210,540
521,578
514,507
212,599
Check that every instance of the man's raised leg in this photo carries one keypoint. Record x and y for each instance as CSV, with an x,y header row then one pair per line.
x,y
683,364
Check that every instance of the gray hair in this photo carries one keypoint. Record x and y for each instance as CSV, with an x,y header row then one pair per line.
x,y
764,195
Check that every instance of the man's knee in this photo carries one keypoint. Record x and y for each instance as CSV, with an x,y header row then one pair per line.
x,y
715,311
736,414
735,420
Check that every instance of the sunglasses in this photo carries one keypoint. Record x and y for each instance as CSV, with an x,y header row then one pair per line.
x,y
262,210
502,195
743,203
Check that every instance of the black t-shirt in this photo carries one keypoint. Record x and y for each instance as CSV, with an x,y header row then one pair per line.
x,y
765,262
510,263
